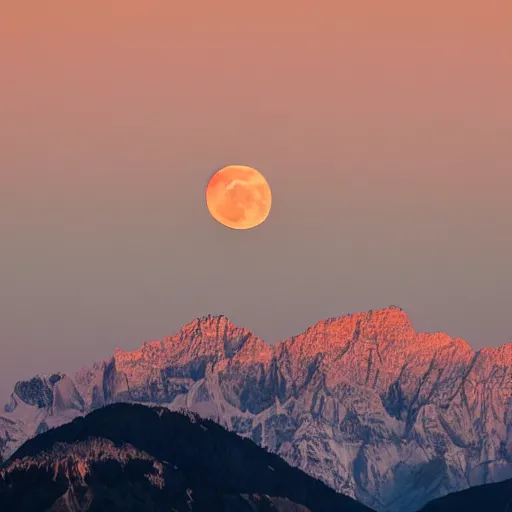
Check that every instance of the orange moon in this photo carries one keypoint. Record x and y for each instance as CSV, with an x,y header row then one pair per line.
x,y
239,197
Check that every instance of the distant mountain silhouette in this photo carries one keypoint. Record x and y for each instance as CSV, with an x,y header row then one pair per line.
x,y
483,498
134,458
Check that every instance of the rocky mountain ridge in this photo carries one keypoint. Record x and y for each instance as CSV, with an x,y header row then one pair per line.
x,y
363,402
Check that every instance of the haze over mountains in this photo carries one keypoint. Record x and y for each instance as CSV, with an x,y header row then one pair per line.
x,y
389,416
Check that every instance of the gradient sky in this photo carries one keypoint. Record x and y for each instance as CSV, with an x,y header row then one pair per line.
x,y
384,129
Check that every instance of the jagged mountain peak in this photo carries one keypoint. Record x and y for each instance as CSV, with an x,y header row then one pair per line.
x,y
382,319
215,328
49,378
207,322
503,351
56,390
37,391
339,336
217,338
384,329
187,354
214,318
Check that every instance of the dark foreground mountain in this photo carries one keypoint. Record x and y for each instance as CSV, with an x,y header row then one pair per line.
x,y
483,498
135,458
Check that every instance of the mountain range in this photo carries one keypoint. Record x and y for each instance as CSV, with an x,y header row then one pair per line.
x,y
128,457
389,416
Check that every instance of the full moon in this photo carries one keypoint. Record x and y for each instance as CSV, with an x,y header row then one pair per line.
x,y
239,197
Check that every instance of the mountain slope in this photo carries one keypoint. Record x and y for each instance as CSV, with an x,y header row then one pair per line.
x,y
491,498
378,411
131,457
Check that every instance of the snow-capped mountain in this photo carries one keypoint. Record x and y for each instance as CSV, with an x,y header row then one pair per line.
x,y
389,416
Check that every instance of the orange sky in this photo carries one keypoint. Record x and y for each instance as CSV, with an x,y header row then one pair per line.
x,y
383,127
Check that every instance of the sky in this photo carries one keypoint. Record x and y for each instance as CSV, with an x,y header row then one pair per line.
x,y
383,128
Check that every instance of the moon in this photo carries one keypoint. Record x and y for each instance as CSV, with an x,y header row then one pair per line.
x,y
239,197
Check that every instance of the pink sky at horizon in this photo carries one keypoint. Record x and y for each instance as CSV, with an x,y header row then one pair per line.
x,y
384,129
